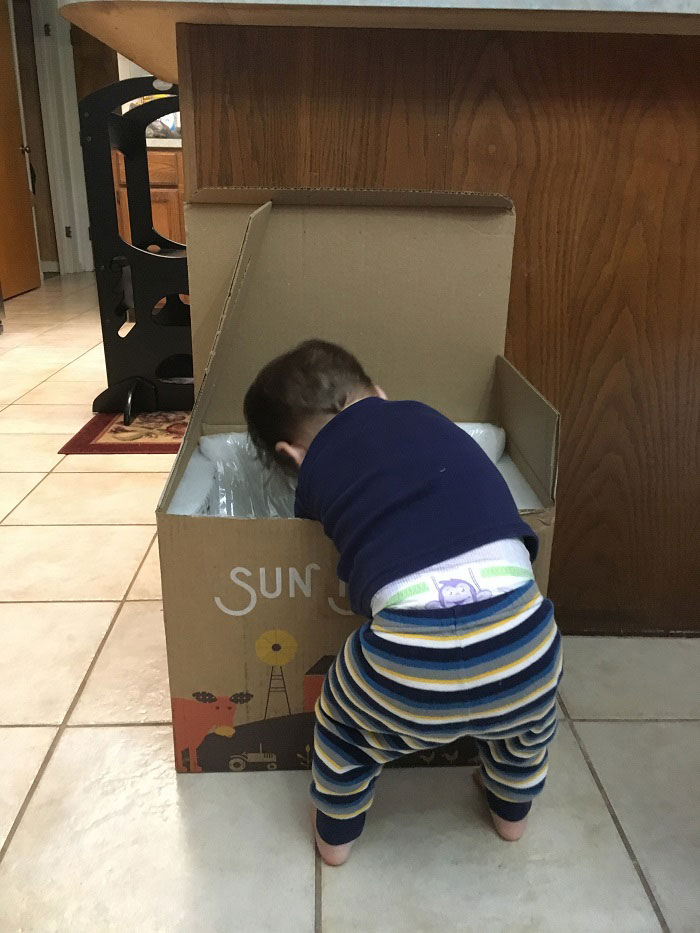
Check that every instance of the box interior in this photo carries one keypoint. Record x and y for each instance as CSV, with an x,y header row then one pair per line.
x,y
417,289
224,478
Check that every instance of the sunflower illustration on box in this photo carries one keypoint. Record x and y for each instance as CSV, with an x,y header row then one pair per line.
x,y
276,648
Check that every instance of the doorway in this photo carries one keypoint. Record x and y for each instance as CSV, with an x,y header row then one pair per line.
x,y
19,257
47,66
34,130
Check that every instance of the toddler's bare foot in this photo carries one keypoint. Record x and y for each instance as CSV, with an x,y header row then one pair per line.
x,y
506,829
331,855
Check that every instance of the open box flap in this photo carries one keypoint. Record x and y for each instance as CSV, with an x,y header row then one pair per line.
x,y
255,230
250,248
532,427
415,284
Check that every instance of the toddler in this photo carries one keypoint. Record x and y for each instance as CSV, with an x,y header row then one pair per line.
x,y
458,641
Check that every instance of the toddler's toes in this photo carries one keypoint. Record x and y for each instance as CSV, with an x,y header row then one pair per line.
x,y
507,829
333,855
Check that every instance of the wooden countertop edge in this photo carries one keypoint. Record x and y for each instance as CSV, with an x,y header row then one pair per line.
x,y
144,30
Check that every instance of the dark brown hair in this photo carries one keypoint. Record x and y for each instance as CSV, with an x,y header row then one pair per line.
x,y
315,378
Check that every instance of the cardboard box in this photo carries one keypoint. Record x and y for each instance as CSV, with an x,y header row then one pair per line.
x,y
416,285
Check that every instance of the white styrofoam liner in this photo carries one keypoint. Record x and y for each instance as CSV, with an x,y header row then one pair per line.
x,y
192,494
525,496
223,474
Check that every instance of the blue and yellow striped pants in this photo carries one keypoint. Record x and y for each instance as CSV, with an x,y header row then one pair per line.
x,y
415,679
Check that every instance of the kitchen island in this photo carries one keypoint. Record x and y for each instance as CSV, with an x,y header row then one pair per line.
x,y
587,115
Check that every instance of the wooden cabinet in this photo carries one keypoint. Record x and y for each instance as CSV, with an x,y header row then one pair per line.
x,y
596,138
166,204
167,193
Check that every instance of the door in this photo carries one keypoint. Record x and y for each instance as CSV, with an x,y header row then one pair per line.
x,y
19,262
34,129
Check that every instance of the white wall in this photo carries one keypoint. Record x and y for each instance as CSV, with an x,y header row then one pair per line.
x,y
129,69
59,108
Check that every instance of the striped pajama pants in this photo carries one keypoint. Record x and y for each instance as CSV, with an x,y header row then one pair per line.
x,y
413,680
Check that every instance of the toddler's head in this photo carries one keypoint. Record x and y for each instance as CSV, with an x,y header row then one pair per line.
x,y
299,392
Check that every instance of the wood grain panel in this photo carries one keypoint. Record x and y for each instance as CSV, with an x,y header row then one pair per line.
x,y
296,119
263,134
95,63
597,140
397,136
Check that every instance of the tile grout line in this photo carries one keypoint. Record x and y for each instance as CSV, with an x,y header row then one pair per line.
x,y
118,725
616,821
70,602
318,891
167,722
69,712
43,333
86,472
84,725
29,725
101,524
80,524
62,456
55,372
22,316
45,476
27,494
642,719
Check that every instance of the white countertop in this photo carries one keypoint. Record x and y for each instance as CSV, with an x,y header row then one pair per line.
x,y
556,6
144,30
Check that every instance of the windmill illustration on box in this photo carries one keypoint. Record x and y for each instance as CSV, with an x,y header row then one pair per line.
x,y
276,648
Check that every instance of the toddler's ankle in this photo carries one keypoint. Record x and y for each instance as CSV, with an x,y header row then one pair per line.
x,y
335,838
509,819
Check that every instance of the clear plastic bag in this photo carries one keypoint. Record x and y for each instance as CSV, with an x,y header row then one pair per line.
x,y
244,488
194,494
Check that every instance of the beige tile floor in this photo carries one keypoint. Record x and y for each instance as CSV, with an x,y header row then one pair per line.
x,y
97,833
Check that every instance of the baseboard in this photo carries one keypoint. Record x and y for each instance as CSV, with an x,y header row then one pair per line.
x,y
619,624
48,266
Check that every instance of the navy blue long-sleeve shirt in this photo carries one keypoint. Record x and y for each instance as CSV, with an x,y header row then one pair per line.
x,y
399,487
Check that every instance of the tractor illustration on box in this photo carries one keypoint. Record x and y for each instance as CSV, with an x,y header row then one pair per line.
x,y
264,759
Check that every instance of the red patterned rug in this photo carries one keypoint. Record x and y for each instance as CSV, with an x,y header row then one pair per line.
x,y
156,432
